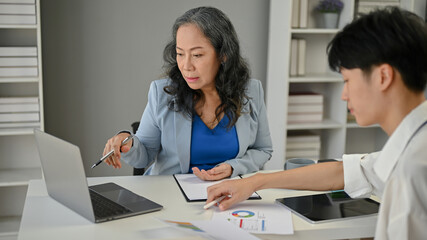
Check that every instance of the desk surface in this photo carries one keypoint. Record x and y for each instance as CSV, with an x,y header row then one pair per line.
x,y
45,218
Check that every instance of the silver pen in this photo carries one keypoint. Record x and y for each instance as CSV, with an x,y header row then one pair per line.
x,y
111,152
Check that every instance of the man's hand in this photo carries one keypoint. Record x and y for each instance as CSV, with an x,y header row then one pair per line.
x,y
236,191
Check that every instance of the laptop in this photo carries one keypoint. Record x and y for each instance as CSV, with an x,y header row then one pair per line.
x,y
329,207
66,183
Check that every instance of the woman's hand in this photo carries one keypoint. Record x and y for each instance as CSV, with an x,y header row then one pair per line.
x,y
116,144
222,171
236,191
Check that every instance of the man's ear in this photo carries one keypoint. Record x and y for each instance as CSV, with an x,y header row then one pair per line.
x,y
387,75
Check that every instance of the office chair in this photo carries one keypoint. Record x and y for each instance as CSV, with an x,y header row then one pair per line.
x,y
137,171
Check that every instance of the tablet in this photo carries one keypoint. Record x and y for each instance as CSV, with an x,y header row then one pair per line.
x,y
328,207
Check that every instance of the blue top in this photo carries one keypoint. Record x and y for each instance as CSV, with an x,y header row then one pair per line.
x,y
210,147
163,140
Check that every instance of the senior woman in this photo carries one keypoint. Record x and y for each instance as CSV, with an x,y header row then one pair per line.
x,y
207,116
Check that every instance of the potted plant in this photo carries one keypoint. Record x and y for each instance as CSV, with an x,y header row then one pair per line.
x,y
330,10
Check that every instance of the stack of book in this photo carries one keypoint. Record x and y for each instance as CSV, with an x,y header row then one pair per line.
x,y
19,112
303,144
305,107
297,62
299,14
17,12
366,6
18,62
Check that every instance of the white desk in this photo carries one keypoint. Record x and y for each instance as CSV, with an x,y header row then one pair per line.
x,y
45,218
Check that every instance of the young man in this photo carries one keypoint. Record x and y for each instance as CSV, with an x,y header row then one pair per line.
x,y
383,60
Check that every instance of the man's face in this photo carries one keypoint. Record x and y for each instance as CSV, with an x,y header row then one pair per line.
x,y
359,93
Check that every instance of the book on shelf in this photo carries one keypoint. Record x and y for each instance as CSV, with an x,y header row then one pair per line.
x,y
305,97
19,107
305,118
293,63
17,19
305,108
299,14
309,144
19,117
302,136
17,100
303,13
18,72
304,153
8,8
301,57
295,14
19,1
18,61
18,51
9,125
303,143
298,56
366,6
19,112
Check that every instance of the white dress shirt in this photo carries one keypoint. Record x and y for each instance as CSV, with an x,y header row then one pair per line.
x,y
398,175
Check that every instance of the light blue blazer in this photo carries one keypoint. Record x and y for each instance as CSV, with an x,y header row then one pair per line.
x,y
164,136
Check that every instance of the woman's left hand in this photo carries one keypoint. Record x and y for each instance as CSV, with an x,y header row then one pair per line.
x,y
222,171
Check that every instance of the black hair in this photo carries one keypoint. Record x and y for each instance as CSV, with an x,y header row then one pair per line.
x,y
391,35
233,74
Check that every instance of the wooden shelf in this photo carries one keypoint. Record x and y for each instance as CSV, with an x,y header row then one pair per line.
x,y
18,176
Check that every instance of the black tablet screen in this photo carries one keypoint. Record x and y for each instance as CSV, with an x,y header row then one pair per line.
x,y
330,206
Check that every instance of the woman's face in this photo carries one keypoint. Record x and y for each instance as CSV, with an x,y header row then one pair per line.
x,y
196,58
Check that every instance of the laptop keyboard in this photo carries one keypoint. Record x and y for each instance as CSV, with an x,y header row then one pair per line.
x,y
104,207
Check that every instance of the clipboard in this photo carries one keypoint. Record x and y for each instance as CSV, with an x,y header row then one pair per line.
x,y
194,189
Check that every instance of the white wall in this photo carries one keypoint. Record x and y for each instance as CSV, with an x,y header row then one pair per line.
x,y
99,57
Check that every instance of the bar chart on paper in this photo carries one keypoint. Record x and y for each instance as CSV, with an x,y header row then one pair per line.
x,y
258,218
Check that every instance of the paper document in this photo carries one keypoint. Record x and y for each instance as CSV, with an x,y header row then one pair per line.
x,y
194,189
209,229
260,218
